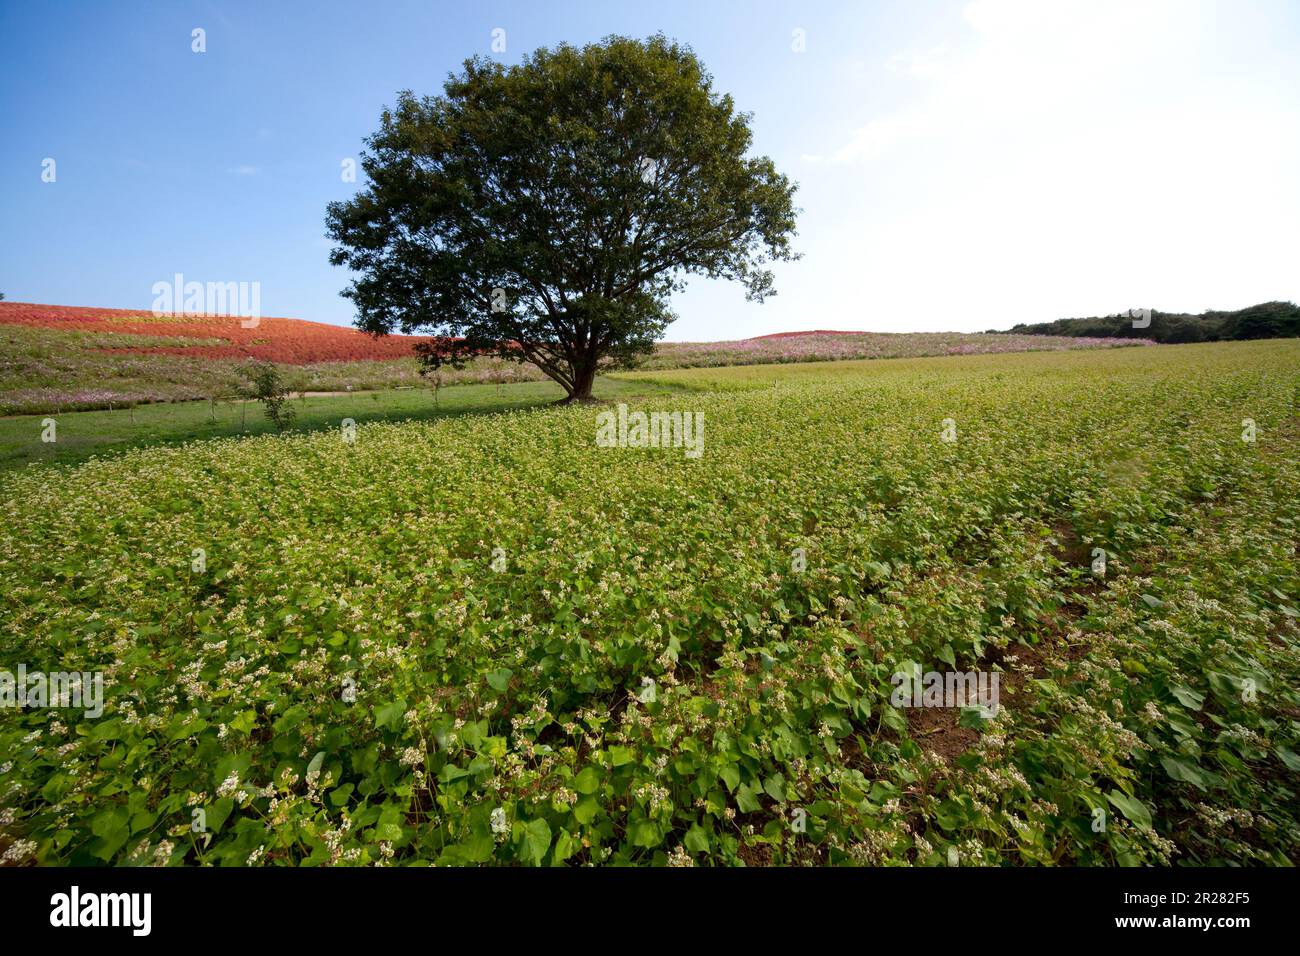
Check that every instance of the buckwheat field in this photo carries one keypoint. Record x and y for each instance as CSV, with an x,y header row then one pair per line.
x,y
494,639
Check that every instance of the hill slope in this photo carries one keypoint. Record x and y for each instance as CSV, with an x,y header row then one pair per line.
x,y
57,358
291,341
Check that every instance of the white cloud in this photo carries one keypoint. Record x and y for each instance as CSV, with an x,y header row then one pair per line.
x,y
881,134
1040,160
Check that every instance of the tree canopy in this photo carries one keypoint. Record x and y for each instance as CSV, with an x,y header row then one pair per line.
x,y
546,212
1267,320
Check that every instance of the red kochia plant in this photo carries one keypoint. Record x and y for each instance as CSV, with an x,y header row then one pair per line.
x,y
286,341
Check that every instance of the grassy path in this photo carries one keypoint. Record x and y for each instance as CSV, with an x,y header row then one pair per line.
x,y
79,435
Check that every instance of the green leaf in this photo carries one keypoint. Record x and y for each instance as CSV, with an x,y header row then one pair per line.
x,y
893,719
390,715
585,810
183,727
645,833
499,679
112,828
950,815
537,840
389,826
747,798
244,722
774,786
108,822
879,569
1288,757
1189,698
218,812
1185,771
290,719
697,839
451,772
564,847
587,781
1131,807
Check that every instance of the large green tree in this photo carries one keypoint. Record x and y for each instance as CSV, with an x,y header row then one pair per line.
x,y
546,212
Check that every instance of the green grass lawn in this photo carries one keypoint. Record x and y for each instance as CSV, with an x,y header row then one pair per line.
x,y
81,435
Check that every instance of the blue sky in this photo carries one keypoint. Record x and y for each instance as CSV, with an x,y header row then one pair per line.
x,y
962,165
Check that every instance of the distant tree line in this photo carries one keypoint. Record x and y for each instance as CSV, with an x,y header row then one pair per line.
x,y
1268,320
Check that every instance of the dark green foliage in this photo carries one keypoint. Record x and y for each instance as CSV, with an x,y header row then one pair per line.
x,y
545,212
1268,320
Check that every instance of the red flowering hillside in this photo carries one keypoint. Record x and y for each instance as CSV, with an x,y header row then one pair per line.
x,y
291,341
55,357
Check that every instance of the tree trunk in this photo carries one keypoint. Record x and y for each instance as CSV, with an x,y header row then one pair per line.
x,y
583,380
